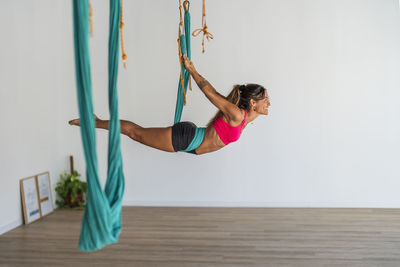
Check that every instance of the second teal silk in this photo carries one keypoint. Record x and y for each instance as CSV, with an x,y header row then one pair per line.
x,y
186,49
101,222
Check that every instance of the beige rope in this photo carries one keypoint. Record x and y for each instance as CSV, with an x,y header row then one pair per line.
x,y
91,18
206,33
124,56
180,50
186,5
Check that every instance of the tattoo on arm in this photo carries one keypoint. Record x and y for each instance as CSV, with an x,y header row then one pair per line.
x,y
203,82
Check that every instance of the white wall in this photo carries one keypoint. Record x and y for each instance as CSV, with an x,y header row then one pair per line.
x,y
332,69
36,97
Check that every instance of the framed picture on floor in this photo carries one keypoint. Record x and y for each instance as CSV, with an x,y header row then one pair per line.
x,y
36,197
30,199
45,198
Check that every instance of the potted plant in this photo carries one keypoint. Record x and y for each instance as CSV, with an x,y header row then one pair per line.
x,y
71,190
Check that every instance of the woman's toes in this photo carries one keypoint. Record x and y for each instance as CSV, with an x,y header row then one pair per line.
x,y
74,122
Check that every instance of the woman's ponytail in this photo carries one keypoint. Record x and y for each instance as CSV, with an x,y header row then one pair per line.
x,y
234,95
241,96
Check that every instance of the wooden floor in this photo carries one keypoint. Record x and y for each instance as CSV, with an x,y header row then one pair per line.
x,y
184,236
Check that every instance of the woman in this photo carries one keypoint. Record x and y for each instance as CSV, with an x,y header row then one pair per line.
x,y
243,105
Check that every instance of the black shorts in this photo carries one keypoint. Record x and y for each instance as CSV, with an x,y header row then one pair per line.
x,y
182,135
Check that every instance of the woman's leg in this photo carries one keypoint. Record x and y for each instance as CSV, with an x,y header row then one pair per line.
x,y
159,138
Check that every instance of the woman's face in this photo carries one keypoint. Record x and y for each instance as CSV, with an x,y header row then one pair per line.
x,y
261,106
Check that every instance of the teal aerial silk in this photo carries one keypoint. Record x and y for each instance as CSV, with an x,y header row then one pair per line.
x,y
101,222
197,139
186,49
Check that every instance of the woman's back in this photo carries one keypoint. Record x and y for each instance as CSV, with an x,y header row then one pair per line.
x,y
216,133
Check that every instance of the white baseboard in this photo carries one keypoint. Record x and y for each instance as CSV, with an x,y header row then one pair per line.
x,y
261,204
9,226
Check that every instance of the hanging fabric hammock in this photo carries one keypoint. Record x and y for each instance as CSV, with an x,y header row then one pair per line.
x,y
101,222
185,48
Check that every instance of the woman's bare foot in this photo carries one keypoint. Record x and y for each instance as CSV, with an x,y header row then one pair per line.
x,y
77,123
74,122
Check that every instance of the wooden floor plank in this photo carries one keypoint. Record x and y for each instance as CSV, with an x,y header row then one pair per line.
x,y
208,236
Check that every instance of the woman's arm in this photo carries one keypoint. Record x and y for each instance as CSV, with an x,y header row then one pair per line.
x,y
229,109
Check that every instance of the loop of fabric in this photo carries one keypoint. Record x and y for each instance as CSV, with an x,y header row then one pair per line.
x,y
197,139
101,222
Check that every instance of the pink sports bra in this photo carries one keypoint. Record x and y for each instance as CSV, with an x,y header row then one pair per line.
x,y
226,132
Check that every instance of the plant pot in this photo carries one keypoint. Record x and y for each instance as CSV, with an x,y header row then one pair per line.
x,y
78,199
